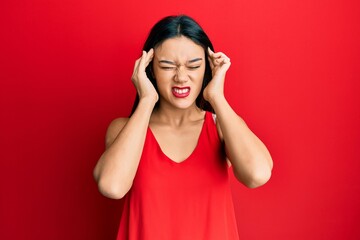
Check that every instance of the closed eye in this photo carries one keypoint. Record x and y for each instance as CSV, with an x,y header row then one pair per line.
x,y
173,68
193,67
168,68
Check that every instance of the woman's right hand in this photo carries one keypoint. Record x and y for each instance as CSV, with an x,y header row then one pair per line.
x,y
144,87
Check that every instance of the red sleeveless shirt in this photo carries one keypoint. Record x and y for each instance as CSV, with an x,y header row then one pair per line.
x,y
190,200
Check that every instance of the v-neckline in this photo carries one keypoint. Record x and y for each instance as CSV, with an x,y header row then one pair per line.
x,y
192,152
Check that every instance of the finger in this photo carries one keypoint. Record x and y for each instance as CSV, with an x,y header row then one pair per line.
x,y
211,54
136,66
136,63
149,57
142,61
211,62
219,61
223,59
210,51
211,58
226,60
218,54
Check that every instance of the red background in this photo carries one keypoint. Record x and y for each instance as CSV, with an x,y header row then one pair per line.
x,y
65,74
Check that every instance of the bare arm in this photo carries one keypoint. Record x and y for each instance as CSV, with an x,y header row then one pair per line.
x,y
251,161
117,166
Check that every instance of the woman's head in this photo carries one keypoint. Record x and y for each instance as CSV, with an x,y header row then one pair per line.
x,y
181,26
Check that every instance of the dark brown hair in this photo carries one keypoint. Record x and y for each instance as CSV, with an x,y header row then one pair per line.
x,y
176,26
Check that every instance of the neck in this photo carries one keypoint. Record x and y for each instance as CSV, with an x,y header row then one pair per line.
x,y
177,117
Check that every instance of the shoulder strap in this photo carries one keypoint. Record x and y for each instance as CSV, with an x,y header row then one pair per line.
x,y
211,129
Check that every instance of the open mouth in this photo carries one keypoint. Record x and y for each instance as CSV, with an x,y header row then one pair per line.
x,y
181,92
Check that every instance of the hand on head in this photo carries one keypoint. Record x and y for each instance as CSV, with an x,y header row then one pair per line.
x,y
142,83
219,64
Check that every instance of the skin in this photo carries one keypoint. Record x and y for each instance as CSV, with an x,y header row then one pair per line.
x,y
177,122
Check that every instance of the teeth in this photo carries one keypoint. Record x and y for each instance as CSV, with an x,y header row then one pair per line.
x,y
181,91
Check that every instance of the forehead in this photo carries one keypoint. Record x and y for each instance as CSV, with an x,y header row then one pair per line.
x,y
179,48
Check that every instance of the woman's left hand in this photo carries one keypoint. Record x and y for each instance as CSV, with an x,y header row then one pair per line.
x,y
219,64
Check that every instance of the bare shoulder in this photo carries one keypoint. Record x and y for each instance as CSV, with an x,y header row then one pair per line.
x,y
113,130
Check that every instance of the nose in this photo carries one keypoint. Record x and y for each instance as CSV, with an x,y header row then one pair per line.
x,y
181,75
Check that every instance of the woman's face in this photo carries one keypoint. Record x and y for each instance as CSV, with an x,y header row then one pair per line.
x,y
179,67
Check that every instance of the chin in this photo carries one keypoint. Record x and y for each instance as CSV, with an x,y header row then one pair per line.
x,y
185,106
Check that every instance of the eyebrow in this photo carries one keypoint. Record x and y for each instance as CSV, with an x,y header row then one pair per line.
x,y
172,63
195,60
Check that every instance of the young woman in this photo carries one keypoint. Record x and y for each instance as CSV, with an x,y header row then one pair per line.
x,y
170,159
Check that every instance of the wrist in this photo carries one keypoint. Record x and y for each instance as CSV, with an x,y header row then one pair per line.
x,y
216,100
148,101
